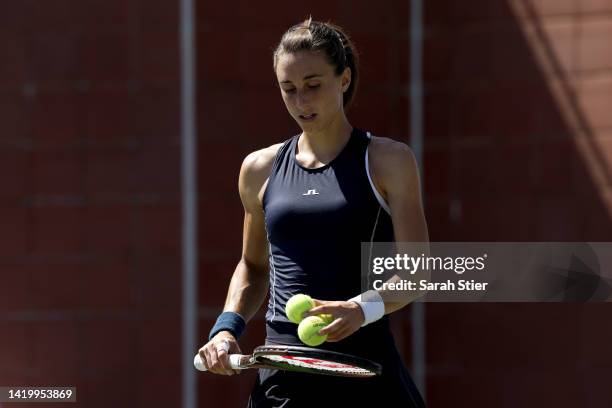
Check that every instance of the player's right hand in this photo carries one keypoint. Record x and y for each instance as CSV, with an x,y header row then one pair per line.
x,y
215,353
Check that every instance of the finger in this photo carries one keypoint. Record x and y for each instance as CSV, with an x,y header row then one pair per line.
x,y
222,350
332,327
335,339
317,310
339,335
224,361
208,359
217,366
318,302
202,354
214,361
234,349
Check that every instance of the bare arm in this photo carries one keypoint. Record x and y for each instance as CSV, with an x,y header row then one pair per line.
x,y
395,172
249,284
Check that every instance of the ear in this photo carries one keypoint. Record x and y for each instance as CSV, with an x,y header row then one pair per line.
x,y
346,79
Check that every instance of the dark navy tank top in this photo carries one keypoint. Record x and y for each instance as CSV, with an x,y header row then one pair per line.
x,y
316,220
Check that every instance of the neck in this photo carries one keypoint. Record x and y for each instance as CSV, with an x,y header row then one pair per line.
x,y
325,143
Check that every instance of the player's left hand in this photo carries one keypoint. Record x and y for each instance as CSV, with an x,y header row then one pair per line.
x,y
348,318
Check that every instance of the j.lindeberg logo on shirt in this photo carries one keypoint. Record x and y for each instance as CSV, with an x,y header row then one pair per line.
x,y
311,192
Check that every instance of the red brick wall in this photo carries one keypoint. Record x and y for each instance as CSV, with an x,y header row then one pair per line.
x,y
518,148
89,203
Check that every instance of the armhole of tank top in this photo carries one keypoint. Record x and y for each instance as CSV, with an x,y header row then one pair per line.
x,y
273,170
378,196
272,289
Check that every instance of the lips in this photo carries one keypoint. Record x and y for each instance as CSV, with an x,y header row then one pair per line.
x,y
308,117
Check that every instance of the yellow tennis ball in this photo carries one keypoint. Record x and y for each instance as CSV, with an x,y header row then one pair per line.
x,y
296,306
327,318
308,331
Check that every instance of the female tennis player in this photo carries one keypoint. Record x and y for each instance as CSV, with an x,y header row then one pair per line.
x,y
309,203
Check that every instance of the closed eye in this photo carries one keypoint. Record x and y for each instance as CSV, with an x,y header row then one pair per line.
x,y
292,90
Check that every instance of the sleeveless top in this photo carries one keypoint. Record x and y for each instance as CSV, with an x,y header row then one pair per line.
x,y
316,220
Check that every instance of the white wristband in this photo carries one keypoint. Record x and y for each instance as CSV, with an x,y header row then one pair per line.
x,y
372,305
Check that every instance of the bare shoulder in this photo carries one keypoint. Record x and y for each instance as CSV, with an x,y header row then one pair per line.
x,y
390,156
255,171
260,160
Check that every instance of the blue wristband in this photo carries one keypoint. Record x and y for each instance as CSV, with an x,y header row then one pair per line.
x,y
230,321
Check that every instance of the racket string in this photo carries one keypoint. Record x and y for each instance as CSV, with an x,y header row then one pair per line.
x,y
317,364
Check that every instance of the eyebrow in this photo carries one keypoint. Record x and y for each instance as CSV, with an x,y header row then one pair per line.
x,y
306,77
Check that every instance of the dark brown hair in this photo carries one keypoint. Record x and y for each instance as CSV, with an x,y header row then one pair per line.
x,y
331,40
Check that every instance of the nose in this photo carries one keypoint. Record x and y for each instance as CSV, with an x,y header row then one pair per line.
x,y
302,100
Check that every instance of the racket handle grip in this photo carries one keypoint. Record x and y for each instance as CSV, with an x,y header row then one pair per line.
x,y
198,363
234,360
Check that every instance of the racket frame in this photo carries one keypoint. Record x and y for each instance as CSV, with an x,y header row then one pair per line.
x,y
258,360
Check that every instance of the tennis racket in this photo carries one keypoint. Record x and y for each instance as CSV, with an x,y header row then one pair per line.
x,y
302,359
